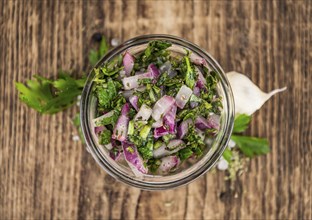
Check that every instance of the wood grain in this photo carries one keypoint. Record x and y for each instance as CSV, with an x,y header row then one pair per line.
x,y
45,174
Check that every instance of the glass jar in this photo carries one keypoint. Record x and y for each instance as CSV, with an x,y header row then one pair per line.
x,y
184,176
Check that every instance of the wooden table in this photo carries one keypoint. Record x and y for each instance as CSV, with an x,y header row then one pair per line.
x,y
45,174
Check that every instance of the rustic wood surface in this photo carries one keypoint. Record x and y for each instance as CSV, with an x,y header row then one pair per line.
x,y
45,174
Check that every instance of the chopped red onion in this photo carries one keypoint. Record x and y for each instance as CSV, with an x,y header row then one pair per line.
x,y
183,128
133,158
162,106
134,102
99,129
169,119
160,131
168,164
125,109
183,96
158,123
121,127
128,62
214,121
153,70
197,59
175,146
144,113
132,82
115,155
127,93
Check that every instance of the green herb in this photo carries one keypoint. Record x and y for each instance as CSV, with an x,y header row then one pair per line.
x,y
131,128
145,131
154,53
251,146
111,120
105,137
96,55
50,96
153,164
107,92
227,154
147,150
190,73
241,122
194,141
185,153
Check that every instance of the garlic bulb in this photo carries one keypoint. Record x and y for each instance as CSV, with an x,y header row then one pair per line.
x,y
248,97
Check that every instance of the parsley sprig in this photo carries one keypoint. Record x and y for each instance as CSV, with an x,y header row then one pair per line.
x,y
246,147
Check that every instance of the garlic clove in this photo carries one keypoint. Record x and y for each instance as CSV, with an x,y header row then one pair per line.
x,y
248,97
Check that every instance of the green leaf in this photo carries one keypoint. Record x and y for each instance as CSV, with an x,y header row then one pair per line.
x,y
96,55
106,93
227,154
50,96
251,146
190,73
185,153
93,57
241,122
105,137
147,150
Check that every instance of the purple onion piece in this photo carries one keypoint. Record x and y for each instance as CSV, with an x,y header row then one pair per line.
x,y
144,113
157,124
134,102
193,104
167,67
127,94
121,128
115,155
153,70
202,123
183,96
183,128
132,82
169,119
214,121
176,143
196,90
99,129
162,106
168,164
160,131
197,59
133,159
201,82
125,109
172,147
128,62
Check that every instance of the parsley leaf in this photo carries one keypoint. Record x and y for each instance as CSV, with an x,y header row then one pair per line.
x,y
227,154
95,55
185,153
105,137
241,122
50,96
251,146
107,92
190,73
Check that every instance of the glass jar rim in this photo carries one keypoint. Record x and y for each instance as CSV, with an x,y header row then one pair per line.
x,y
136,182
